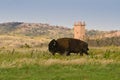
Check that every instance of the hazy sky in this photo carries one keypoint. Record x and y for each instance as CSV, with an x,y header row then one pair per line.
x,y
98,14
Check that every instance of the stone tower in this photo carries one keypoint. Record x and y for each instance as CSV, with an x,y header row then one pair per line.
x,y
79,30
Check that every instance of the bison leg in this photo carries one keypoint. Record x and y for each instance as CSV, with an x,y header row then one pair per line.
x,y
86,53
81,53
67,53
53,53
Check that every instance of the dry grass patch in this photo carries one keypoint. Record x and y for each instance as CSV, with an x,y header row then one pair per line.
x,y
32,61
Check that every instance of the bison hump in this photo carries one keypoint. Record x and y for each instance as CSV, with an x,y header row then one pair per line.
x,y
63,42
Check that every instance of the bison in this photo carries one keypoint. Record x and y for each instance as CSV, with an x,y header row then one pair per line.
x,y
68,45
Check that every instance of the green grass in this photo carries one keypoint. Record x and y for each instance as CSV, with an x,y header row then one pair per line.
x,y
36,64
62,72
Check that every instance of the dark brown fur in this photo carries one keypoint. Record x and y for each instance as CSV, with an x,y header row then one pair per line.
x,y
68,45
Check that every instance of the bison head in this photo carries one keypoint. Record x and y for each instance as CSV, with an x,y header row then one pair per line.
x,y
52,47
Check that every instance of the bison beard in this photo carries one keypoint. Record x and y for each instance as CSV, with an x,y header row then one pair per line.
x,y
68,45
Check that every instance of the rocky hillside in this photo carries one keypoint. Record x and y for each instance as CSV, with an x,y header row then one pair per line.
x,y
35,29
49,31
95,34
6,28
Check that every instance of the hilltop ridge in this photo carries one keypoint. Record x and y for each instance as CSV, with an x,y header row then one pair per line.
x,y
34,29
49,31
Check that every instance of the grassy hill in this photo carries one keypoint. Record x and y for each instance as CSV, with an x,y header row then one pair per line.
x,y
6,28
35,29
49,31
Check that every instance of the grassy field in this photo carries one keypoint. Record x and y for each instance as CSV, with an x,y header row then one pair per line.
x,y
38,64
